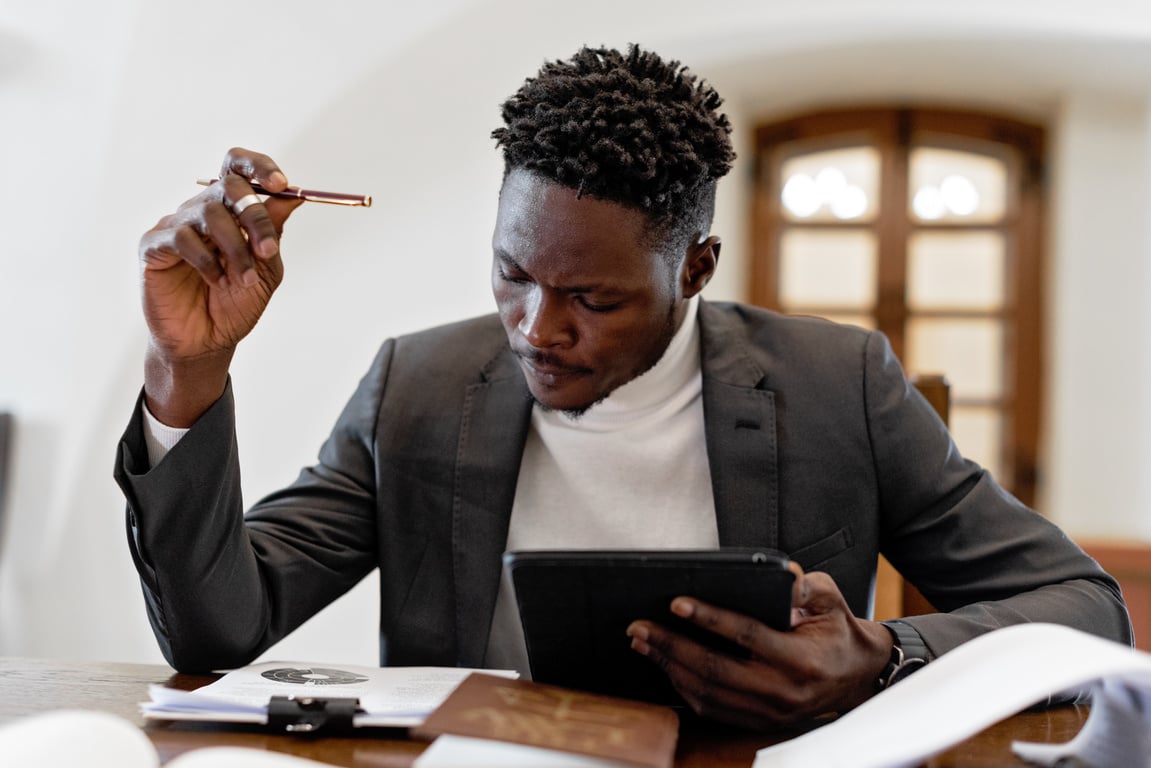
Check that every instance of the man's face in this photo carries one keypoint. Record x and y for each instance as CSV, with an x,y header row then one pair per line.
x,y
587,302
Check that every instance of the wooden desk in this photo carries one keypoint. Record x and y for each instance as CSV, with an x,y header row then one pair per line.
x,y
118,688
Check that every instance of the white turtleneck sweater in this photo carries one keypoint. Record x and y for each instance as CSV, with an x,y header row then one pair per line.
x,y
630,473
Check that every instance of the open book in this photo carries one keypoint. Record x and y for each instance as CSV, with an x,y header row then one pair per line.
x,y
980,683
68,738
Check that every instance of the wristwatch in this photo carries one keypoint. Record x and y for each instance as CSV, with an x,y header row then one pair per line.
x,y
908,654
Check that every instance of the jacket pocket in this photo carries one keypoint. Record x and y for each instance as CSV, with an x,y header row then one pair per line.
x,y
814,556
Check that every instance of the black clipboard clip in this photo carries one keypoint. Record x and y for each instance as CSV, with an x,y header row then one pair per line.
x,y
309,714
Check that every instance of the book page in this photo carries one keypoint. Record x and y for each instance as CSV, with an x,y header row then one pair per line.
x,y
75,737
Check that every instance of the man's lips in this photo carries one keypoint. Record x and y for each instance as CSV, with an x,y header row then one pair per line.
x,y
547,366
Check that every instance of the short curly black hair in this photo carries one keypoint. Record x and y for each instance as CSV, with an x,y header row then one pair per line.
x,y
629,128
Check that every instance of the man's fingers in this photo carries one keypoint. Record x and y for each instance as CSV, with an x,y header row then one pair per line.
x,y
262,219
165,248
279,209
223,231
729,705
819,594
190,246
756,637
716,686
260,232
826,662
797,587
261,226
254,166
666,647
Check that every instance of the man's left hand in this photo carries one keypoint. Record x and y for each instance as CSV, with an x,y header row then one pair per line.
x,y
828,662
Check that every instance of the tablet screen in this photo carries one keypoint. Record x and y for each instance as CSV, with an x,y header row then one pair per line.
x,y
575,607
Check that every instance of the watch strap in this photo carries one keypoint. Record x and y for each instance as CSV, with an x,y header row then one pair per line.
x,y
908,653
909,639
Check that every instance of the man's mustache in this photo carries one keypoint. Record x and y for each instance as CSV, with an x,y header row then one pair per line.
x,y
545,359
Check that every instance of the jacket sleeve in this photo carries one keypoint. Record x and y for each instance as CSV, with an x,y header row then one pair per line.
x,y
220,586
979,555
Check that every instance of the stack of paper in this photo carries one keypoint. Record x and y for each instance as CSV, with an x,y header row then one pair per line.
x,y
389,696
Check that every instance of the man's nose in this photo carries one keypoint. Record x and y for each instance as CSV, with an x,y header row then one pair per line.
x,y
545,322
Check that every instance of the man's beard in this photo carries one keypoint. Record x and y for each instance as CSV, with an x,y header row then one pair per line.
x,y
572,413
576,413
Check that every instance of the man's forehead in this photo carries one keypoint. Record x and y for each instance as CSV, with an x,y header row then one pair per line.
x,y
533,205
577,243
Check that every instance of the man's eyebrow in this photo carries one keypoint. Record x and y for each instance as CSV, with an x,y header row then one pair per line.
x,y
514,265
605,290
503,256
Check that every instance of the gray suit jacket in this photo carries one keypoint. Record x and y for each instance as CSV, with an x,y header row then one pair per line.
x,y
817,447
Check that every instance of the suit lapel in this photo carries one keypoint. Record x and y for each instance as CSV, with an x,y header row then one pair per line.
x,y
739,421
496,418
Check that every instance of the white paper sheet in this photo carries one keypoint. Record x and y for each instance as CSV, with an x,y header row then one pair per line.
x,y
449,751
239,757
969,689
67,738
78,738
389,696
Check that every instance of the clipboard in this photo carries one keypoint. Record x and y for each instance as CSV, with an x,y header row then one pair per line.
x,y
575,607
303,698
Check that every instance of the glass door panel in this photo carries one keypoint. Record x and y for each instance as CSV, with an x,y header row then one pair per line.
x,y
978,431
968,351
828,270
831,185
948,185
956,270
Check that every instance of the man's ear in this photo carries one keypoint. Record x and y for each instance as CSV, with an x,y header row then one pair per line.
x,y
699,266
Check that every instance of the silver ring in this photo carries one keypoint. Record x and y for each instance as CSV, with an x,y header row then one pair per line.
x,y
242,204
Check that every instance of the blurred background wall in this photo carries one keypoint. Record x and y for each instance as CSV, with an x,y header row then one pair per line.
x,y
110,111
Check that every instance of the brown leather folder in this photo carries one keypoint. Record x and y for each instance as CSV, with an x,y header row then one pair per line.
x,y
628,732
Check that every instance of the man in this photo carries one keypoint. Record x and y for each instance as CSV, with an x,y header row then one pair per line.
x,y
605,406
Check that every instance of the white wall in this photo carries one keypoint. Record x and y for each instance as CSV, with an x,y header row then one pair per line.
x,y
1100,317
109,111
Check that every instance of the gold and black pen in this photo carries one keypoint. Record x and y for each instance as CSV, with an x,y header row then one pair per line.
x,y
311,195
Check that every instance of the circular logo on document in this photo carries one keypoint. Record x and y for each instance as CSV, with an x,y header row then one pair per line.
x,y
313,676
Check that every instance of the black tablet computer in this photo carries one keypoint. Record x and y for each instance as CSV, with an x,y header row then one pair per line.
x,y
576,605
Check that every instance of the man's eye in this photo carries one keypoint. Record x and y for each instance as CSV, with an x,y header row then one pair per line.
x,y
594,307
511,278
